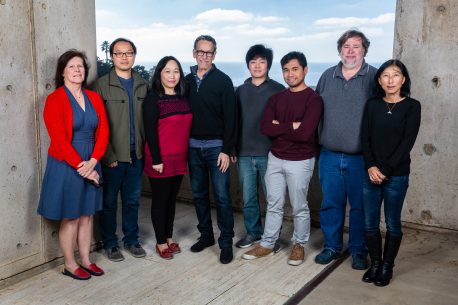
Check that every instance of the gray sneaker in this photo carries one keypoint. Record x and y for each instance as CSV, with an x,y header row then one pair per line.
x,y
247,241
113,254
135,250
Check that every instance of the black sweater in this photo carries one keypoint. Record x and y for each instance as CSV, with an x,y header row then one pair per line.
x,y
387,139
214,109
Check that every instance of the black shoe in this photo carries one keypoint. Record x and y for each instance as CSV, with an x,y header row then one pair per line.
x,y
135,250
204,242
374,246
390,252
226,256
113,254
326,256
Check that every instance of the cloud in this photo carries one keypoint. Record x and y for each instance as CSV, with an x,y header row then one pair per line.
x,y
272,19
355,21
220,15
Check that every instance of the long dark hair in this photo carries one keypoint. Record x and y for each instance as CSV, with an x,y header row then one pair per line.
x,y
156,85
62,63
405,88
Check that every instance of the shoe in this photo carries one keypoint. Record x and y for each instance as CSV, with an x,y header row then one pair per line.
x,y
247,241
175,248
113,254
204,242
257,252
135,250
226,255
374,246
326,256
165,254
359,261
297,255
392,244
277,246
93,269
79,274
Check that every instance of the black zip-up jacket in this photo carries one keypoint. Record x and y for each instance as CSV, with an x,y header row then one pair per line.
x,y
214,109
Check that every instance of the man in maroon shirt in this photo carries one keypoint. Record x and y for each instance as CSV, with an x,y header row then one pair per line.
x,y
290,119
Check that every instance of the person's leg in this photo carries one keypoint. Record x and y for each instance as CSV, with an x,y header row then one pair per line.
x,y
67,240
248,176
84,239
394,193
112,180
198,172
130,195
355,174
298,175
171,206
276,187
160,188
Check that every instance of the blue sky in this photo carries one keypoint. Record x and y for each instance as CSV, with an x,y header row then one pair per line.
x,y
169,27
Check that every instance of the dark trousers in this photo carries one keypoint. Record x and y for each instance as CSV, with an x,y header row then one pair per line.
x,y
163,205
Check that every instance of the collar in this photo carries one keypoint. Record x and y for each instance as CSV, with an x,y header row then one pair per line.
x,y
194,71
362,71
113,78
248,81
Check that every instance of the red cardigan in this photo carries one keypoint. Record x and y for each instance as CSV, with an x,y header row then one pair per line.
x,y
58,119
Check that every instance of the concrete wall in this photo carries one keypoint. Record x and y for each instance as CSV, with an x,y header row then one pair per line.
x,y
426,40
32,36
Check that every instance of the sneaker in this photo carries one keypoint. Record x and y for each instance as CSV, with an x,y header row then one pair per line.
x,y
226,255
297,255
257,252
136,250
277,246
204,242
113,254
359,261
247,241
326,256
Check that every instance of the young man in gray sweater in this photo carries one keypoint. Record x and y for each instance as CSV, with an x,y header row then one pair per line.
x,y
253,147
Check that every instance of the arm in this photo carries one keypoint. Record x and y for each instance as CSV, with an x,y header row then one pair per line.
x,y
412,126
230,119
150,121
366,137
270,126
102,131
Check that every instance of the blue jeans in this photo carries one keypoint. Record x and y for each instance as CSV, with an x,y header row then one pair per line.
x,y
202,166
249,170
392,192
127,178
341,178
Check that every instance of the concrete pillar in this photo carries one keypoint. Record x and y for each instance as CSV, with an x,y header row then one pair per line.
x,y
426,40
32,36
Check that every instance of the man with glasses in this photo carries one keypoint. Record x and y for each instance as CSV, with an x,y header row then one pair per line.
x,y
123,91
212,142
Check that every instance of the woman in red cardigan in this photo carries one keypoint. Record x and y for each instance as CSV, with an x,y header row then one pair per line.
x,y
167,121
77,126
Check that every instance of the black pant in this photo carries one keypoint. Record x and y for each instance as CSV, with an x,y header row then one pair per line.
x,y
164,192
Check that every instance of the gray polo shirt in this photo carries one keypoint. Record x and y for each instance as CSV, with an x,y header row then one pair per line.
x,y
344,102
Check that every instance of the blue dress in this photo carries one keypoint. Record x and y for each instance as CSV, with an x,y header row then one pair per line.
x,y
64,193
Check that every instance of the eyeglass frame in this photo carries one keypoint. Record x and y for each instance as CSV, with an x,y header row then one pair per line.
x,y
206,53
122,54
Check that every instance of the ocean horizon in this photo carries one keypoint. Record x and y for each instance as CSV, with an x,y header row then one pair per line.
x,y
238,71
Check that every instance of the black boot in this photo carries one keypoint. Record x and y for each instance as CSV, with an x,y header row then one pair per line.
x,y
385,274
374,246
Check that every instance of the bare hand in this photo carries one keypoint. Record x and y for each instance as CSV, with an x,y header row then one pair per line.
x,y
159,167
296,125
86,167
113,164
275,122
234,159
375,175
223,162
94,176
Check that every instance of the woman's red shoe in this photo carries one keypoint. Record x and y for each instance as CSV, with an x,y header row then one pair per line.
x,y
174,247
93,269
165,254
79,274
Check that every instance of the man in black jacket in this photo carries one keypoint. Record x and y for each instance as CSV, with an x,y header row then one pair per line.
x,y
212,142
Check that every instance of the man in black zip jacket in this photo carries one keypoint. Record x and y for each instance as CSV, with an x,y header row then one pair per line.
x,y
212,142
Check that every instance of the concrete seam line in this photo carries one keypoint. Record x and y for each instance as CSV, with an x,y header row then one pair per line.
x,y
313,283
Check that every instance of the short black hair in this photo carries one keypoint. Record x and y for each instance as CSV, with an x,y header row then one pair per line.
x,y
350,34
120,39
294,55
156,85
62,63
206,38
405,88
259,50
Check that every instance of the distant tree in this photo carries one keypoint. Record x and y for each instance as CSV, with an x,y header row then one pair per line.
x,y
105,46
103,67
142,71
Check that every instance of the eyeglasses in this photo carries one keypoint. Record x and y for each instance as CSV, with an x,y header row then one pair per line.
x,y
201,53
122,54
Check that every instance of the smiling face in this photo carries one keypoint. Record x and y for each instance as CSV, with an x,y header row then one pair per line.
x,y
294,74
258,68
74,72
204,53
391,81
352,53
170,76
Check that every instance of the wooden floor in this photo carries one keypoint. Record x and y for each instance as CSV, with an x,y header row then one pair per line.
x,y
190,278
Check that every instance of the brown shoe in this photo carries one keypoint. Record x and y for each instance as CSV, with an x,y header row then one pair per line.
x,y
297,255
257,252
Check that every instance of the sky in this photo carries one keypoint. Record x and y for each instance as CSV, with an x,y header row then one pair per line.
x,y
169,27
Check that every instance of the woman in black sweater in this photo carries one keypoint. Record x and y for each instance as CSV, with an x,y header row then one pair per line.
x,y
390,126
